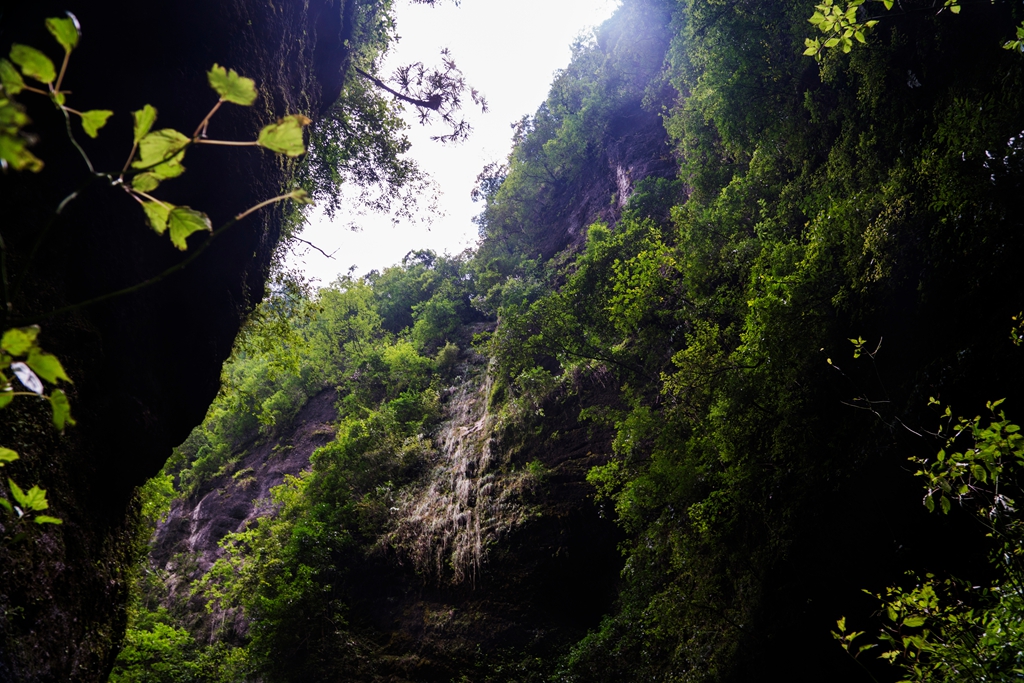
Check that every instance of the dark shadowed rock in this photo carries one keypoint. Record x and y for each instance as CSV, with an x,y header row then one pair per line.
x,y
145,365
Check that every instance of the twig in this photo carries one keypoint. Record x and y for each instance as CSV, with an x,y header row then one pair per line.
x,y
67,122
330,256
204,141
201,128
63,68
433,103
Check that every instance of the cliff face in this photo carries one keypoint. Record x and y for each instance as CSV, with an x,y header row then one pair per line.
x,y
145,365
231,501
492,555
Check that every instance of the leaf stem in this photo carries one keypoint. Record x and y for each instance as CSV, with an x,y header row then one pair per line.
x,y
205,141
147,196
131,155
201,128
63,68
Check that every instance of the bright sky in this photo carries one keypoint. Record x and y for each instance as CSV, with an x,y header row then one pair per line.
x,y
507,50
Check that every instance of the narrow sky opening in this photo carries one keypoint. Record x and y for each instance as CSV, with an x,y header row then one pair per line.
x,y
508,51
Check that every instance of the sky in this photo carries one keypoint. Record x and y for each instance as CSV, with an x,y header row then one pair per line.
x,y
507,50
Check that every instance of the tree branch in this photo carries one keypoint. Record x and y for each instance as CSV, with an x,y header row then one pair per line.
x,y
433,103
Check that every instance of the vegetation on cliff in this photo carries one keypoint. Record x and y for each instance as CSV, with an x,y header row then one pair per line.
x,y
748,314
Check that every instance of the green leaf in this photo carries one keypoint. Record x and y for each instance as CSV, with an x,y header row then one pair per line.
x,y
61,409
33,499
929,503
13,147
980,473
888,3
65,30
6,505
301,196
944,504
914,621
231,87
144,120
18,341
7,455
47,366
33,63
161,152
184,221
10,79
146,182
156,214
46,519
955,9
95,119
285,136
5,398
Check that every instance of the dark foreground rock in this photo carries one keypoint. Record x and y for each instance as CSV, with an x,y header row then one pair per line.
x,y
145,365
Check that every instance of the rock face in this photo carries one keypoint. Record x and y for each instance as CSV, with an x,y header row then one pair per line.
x,y
231,501
145,365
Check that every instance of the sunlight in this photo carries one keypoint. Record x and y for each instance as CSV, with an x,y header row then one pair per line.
x,y
510,54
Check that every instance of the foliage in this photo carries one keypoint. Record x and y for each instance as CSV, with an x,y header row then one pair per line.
x,y
842,27
708,318
948,629
160,152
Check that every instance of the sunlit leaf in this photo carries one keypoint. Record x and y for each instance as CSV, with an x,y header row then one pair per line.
x,y
65,30
33,63
46,519
5,398
61,409
10,79
156,214
913,621
14,150
95,119
161,152
6,505
146,182
34,499
27,377
302,197
47,366
231,87
285,136
7,455
144,120
184,221
944,504
18,341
